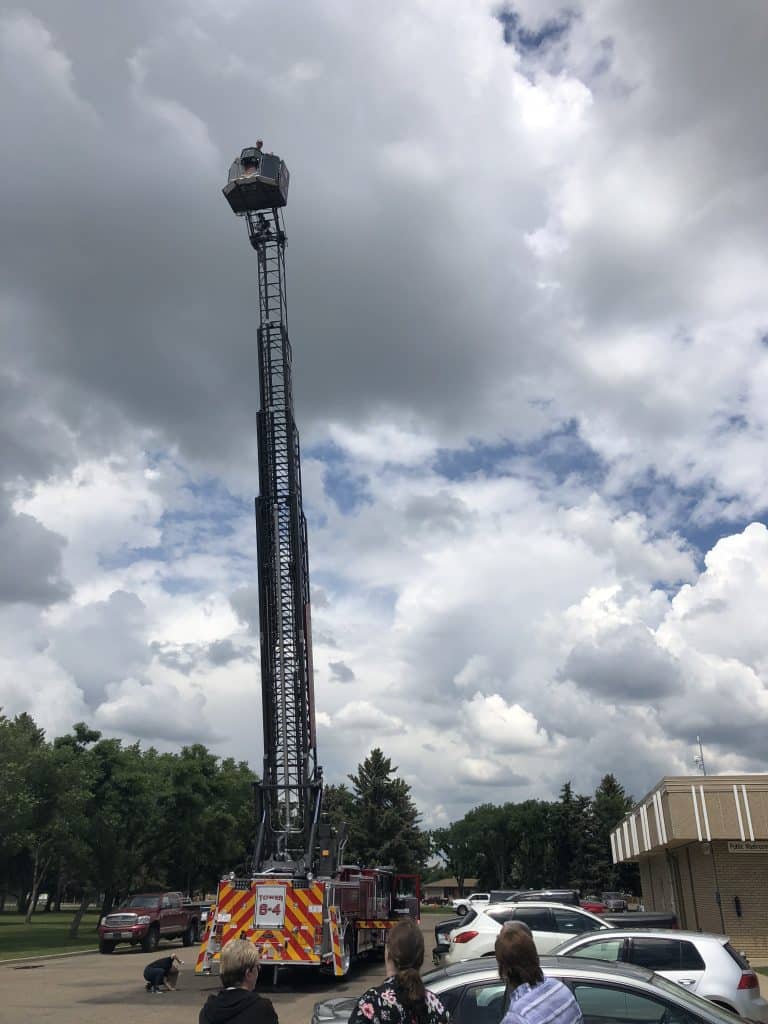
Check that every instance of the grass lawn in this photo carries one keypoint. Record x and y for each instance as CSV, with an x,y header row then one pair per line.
x,y
761,970
444,911
48,933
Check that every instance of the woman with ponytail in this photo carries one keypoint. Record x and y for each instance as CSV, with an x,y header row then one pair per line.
x,y
402,999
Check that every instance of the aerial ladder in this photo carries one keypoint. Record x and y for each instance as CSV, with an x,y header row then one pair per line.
x,y
297,904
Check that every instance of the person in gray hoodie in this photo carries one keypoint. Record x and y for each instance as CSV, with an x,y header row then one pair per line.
x,y
237,1003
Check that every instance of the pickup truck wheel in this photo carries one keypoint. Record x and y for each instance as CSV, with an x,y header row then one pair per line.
x,y
150,940
462,909
190,934
105,946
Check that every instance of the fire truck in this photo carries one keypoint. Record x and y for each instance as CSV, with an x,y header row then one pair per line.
x,y
299,904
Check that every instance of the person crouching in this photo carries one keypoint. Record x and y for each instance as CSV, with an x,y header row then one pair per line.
x,y
164,971
237,1003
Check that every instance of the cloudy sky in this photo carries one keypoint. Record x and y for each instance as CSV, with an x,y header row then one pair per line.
x,y
527,288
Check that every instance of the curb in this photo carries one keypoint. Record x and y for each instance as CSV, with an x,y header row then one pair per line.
x,y
48,956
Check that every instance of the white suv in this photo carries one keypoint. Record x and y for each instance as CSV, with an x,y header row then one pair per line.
x,y
705,964
550,924
477,901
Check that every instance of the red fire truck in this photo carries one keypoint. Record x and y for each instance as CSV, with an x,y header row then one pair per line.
x,y
318,923
298,904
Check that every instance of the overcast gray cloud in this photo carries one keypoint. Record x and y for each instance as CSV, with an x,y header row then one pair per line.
x,y
528,316
626,662
32,570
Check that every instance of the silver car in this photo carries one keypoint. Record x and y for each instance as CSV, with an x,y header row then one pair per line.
x,y
473,993
705,964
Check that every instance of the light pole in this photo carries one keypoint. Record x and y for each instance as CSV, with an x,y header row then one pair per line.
x,y
698,759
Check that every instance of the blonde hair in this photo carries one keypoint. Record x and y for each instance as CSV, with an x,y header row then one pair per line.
x,y
237,958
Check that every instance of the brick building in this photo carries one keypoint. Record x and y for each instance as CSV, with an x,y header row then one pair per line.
x,y
702,846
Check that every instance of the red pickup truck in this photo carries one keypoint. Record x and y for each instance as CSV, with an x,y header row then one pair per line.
x,y
146,918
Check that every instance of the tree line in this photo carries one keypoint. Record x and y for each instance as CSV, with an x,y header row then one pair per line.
x,y
90,818
535,844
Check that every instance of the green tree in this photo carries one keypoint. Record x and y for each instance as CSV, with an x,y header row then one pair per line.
x,y
457,847
530,827
127,839
338,805
570,833
208,816
610,804
385,826
45,792
493,828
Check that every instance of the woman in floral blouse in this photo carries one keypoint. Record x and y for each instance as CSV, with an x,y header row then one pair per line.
x,y
402,999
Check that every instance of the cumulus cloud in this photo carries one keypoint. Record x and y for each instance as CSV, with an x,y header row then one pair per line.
x,y
154,712
32,570
103,642
626,665
504,727
362,714
528,496
340,672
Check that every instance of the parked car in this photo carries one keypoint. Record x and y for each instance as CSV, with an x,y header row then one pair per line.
x,y
567,896
476,899
642,919
614,901
550,923
593,905
473,993
146,918
705,964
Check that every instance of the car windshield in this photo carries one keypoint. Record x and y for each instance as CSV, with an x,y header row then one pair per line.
x,y
701,1006
152,902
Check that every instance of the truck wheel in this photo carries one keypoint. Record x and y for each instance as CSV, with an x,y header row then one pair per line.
x,y
190,934
105,946
346,957
150,940
462,909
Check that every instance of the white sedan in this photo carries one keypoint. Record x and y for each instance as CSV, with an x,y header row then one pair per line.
x,y
550,923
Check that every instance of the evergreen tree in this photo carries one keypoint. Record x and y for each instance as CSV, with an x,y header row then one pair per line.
x,y
385,825
610,804
338,806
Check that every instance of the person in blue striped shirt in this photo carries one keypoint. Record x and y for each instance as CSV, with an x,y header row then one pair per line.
x,y
533,999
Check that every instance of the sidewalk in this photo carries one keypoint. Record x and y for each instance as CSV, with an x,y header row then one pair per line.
x,y
762,978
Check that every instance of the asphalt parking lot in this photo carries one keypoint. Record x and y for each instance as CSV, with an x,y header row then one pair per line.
x,y
94,989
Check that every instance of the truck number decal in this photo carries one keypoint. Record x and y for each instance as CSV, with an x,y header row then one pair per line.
x,y
270,906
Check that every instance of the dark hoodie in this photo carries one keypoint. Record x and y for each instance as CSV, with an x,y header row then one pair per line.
x,y
238,1006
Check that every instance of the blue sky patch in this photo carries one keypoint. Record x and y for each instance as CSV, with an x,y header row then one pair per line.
x,y
563,454
528,40
346,489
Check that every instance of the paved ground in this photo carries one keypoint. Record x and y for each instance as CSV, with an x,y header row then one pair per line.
x,y
94,989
